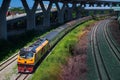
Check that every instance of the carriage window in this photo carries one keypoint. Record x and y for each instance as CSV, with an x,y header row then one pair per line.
x,y
26,55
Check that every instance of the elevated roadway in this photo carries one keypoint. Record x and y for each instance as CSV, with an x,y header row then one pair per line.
x,y
30,12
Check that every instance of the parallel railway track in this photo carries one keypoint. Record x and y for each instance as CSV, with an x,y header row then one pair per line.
x,y
7,62
105,53
111,43
98,59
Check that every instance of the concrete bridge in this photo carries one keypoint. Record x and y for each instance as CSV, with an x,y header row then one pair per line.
x,y
30,12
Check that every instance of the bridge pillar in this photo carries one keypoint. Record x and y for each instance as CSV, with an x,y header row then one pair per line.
x,y
101,12
30,14
118,14
74,9
46,13
3,22
87,12
70,11
3,26
78,13
95,12
46,20
98,4
61,12
110,11
31,21
91,4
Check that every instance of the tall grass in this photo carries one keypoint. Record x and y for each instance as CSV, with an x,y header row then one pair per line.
x,y
50,69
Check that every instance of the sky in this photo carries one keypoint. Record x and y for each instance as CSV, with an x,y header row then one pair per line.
x,y
17,3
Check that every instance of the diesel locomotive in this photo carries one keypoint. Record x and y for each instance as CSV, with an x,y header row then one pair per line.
x,y
28,57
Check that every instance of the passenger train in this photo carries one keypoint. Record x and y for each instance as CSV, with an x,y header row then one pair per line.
x,y
28,57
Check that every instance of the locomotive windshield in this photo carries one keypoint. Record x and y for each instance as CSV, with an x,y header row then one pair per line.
x,y
26,55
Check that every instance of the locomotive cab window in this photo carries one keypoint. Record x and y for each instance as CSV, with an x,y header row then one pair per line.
x,y
26,55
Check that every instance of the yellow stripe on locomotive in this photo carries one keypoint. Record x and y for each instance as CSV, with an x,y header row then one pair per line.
x,y
41,50
25,61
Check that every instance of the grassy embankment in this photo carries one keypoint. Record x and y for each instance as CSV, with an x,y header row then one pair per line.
x,y
51,67
14,44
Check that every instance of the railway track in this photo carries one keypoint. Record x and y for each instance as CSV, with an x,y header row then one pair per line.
x,y
99,63
110,42
105,54
22,76
7,62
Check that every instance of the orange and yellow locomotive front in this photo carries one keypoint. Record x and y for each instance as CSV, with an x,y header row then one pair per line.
x,y
26,64
28,59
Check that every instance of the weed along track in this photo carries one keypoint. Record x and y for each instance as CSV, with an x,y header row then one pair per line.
x,y
105,53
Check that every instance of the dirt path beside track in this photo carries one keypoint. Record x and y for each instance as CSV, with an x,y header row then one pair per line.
x,y
76,67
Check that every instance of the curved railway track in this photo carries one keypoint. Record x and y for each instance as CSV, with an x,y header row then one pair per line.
x,y
110,42
98,59
105,54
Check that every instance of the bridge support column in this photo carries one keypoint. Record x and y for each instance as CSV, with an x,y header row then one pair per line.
x,y
61,12
31,21
78,12
101,12
87,12
118,13
110,12
74,10
46,20
70,11
69,14
30,14
95,12
46,13
3,22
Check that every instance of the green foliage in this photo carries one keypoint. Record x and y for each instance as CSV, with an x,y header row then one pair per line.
x,y
17,10
50,69
15,43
